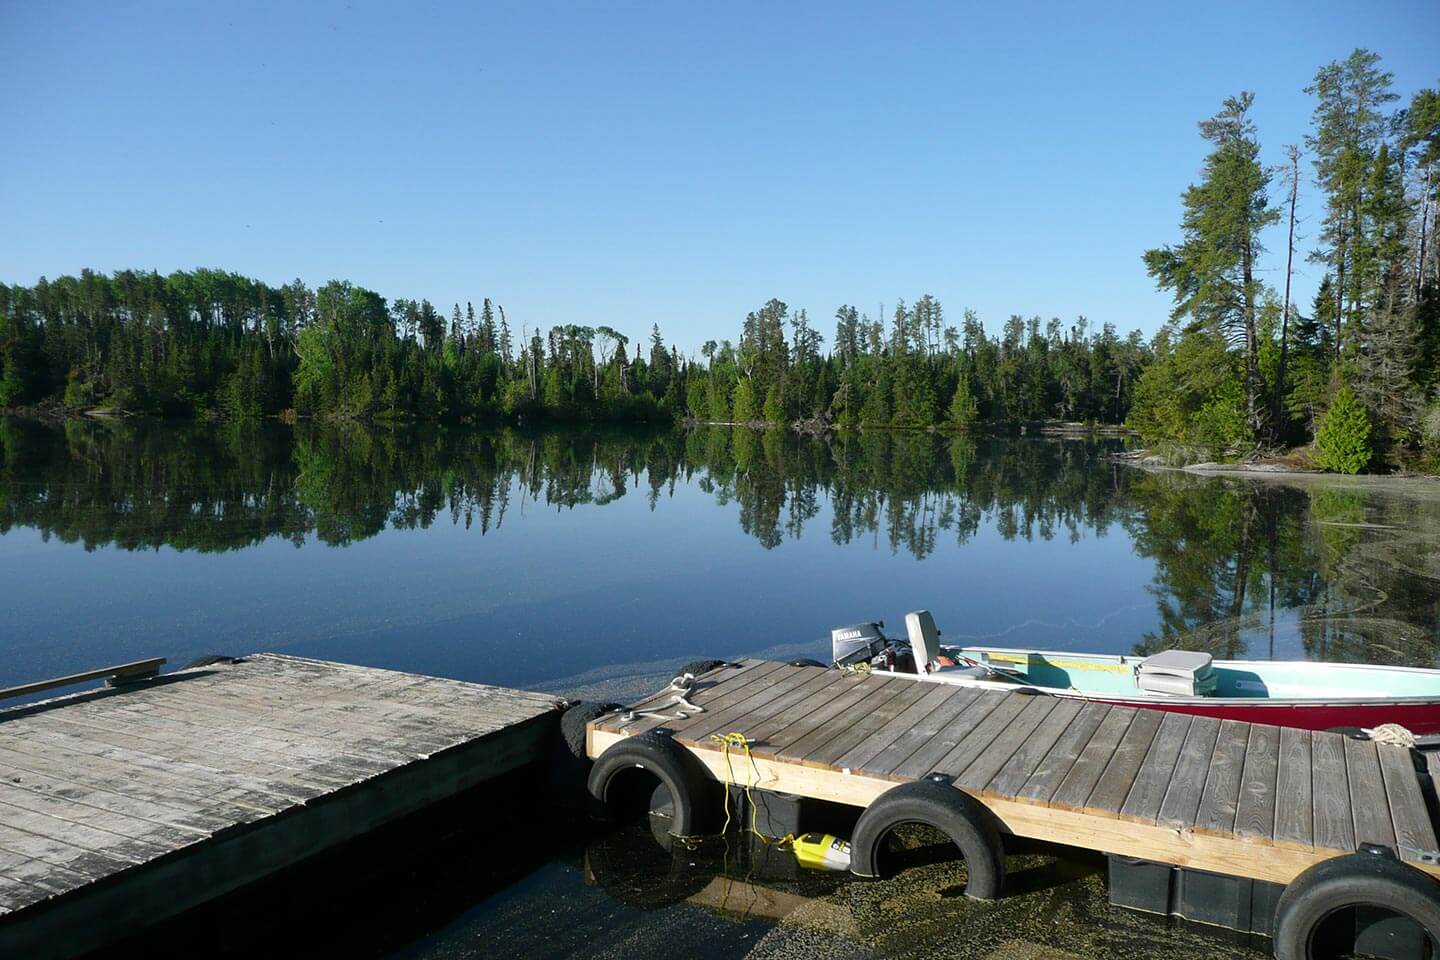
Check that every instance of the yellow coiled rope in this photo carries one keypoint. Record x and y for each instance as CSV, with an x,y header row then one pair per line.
x,y
732,740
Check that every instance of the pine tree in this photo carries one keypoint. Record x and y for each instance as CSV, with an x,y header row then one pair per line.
x,y
1212,273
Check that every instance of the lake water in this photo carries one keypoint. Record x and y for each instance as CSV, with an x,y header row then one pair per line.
x,y
594,563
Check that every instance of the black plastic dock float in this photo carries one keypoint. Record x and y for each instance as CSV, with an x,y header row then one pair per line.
x,y
122,807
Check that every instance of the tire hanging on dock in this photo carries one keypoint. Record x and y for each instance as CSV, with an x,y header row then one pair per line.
x,y
934,803
574,720
1359,880
692,793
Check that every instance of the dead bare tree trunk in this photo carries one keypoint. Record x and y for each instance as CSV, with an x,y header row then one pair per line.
x,y
1293,152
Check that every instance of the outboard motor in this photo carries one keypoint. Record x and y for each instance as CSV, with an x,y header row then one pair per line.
x,y
857,642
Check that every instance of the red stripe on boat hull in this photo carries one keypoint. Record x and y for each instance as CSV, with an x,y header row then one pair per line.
x,y
1418,718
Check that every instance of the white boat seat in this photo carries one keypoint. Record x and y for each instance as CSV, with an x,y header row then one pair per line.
x,y
924,639
1180,673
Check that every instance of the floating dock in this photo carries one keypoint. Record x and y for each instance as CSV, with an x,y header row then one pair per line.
x,y
122,807
1226,797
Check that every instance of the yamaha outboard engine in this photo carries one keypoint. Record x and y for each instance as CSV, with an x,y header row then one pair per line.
x,y
857,642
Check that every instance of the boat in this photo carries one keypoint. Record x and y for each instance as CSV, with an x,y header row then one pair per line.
x,y
1307,694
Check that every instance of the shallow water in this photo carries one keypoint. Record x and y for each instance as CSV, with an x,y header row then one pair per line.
x,y
595,563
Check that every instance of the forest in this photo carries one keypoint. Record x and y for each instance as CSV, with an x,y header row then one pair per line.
x,y
1238,366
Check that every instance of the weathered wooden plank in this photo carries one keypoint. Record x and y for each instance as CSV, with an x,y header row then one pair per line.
x,y
1221,796
792,706
1334,826
719,700
763,703
1414,832
874,721
1022,763
131,782
795,739
1293,808
241,789
860,755
199,816
1075,789
1255,811
1113,787
285,779
773,732
926,759
1182,797
86,817
1368,802
705,687
43,876
923,731
1003,747
970,747
119,672
1047,776
15,894
1153,777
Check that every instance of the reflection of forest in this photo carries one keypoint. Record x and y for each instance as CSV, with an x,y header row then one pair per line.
x,y
1349,575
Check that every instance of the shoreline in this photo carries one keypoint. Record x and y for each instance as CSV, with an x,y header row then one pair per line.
x,y
1280,473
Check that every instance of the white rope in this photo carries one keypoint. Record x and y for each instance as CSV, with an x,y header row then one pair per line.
x,y
1392,733
682,684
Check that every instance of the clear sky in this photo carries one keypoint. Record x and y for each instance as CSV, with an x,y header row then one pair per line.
x,y
680,163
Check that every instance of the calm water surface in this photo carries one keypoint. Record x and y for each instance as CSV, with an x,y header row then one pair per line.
x,y
595,563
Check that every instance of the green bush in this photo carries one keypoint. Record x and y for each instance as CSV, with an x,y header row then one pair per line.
x,y
1342,443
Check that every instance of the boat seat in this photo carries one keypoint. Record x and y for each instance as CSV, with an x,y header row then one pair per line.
x,y
1179,673
924,639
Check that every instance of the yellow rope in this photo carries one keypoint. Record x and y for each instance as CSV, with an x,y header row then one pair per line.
x,y
726,741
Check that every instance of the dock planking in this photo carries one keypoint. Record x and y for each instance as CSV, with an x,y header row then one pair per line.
x,y
1222,795
120,807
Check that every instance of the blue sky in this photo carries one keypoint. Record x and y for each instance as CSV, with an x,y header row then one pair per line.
x,y
635,163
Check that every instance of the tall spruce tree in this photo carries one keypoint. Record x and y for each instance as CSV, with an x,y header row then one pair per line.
x,y
1212,272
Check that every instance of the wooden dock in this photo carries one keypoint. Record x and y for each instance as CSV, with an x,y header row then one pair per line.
x,y
1228,797
121,807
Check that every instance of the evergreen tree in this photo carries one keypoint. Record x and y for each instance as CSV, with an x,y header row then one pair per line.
x,y
1212,273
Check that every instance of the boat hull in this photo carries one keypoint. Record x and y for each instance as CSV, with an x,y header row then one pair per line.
x,y
1419,718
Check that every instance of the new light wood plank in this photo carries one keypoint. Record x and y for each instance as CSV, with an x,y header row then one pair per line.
x,y
1182,797
1153,777
1294,811
1368,802
1334,825
1255,811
